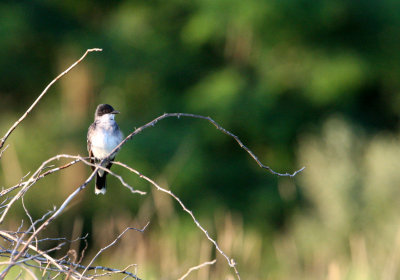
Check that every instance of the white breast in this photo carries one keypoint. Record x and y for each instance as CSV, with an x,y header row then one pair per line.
x,y
104,140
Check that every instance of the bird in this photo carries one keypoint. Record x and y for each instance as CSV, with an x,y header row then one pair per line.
x,y
103,136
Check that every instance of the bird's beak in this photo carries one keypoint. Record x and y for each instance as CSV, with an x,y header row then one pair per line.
x,y
115,112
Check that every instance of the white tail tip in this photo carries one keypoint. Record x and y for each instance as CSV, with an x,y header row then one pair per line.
x,y
97,191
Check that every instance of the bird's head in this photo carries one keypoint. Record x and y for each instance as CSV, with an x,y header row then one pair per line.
x,y
105,111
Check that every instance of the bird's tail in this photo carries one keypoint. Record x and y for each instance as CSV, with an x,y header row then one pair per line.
x,y
100,186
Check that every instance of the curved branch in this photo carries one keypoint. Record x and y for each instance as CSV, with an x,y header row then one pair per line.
x,y
197,268
217,126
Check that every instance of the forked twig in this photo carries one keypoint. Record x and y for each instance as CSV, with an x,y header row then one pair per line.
x,y
112,243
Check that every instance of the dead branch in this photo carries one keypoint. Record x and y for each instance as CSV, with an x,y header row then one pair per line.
x,y
46,256
58,212
37,175
231,262
219,127
66,264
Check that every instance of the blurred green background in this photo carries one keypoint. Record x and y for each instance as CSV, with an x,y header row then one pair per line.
x,y
302,83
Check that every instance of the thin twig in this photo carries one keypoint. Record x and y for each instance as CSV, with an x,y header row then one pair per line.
x,y
31,257
197,268
47,238
30,272
104,268
112,243
108,171
58,168
3,140
231,262
114,271
49,220
50,259
80,259
21,183
2,151
30,219
51,269
62,207
34,233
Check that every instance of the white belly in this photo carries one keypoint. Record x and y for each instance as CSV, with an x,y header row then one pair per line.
x,y
104,143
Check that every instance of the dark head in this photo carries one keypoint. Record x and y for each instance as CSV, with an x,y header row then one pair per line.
x,y
104,109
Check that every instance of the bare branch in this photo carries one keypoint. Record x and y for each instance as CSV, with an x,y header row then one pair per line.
x,y
47,222
52,217
114,271
48,258
197,268
109,171
219,127
34,234
16,255
37,176
104,268
30,257
3,140
58,168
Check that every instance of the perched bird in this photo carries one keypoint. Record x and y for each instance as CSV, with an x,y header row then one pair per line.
x,y
103,136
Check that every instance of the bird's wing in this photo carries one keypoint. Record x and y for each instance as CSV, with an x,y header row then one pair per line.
x,y
89,144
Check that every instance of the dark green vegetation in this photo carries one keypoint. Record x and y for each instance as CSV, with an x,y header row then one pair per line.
x,y
312,83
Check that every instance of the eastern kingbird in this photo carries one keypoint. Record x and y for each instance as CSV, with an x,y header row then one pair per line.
x,y
103,136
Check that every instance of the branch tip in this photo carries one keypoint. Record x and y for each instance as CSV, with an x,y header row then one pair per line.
x,y
95,50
